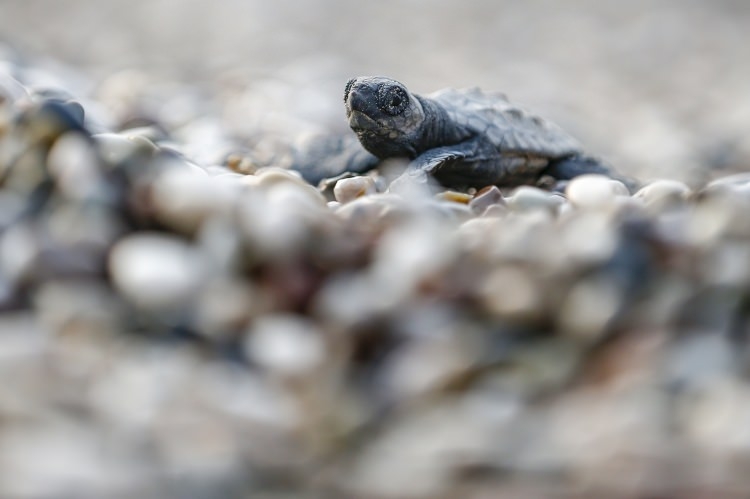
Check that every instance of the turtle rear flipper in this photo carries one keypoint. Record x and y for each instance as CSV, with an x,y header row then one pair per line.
x,y
574,166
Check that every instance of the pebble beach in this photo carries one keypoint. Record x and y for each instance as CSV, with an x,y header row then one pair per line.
x,y
183,315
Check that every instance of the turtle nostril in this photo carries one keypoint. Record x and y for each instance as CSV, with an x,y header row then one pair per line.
x,y
348,88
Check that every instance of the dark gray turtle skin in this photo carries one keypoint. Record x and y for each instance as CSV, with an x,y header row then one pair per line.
x,y
465,138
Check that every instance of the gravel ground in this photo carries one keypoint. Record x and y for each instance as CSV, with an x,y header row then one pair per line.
x,y
182,316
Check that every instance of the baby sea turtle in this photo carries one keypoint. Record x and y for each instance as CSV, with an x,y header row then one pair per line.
x,y
461,137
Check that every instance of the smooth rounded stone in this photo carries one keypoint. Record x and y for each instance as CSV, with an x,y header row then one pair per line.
x,y
44,458
727,264
485,198
184,200
327,185
349,299
413,251
596,429
524,236
116,148
278,221
474,234
738,180
495,211
12,205
77,307
438,349
589,307
698,359
663,193
75,165
78,227
349,189
420,452
594,191
270,178
271,175
714,416
226,306
448,209
733,187
222,171
154,133
713,217
156,271
527,198
241,164
511,292
367,211
286,344
587,238
45,121
19,252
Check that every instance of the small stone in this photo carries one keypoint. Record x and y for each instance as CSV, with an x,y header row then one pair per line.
x,y
594,191
664,193
348,189
286,344
589,307
738,179
116,148
527,198
495,211
510,292
241,164
49,119
489,196
75,166
271,175
184,200
155,271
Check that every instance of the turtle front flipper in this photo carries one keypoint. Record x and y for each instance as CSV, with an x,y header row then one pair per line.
x,y
430,164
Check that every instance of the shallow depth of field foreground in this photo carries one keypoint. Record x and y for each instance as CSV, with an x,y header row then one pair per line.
x,y
182,315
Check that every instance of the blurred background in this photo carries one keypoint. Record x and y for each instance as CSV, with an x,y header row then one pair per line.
x,y
174,330
657,88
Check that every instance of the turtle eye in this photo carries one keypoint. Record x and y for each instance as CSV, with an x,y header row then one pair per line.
x,y
393,99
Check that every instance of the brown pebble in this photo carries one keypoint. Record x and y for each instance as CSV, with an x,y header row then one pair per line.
x,y
485,198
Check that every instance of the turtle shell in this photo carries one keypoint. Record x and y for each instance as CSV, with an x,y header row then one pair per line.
x,y
509,128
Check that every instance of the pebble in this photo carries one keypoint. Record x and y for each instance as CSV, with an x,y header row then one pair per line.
x,y
116,148
662,194
348,189
202,316
594,191
286,344
184,200
486,198
526,198
156,271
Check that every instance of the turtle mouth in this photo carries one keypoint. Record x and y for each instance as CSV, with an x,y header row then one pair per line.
x,y
360,121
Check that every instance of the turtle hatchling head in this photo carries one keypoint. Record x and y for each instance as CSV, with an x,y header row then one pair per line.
x,y
386,117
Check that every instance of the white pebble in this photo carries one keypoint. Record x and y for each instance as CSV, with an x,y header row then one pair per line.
x,y
155,271
594,191
348,189
287,344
